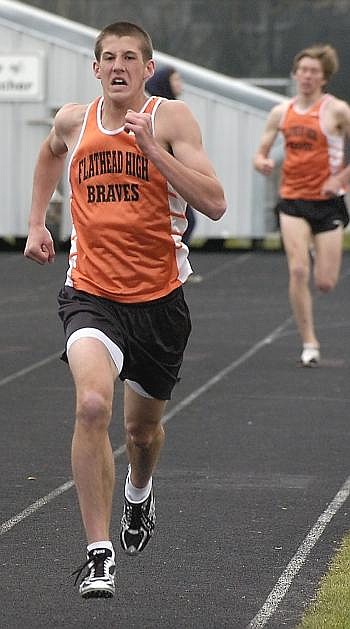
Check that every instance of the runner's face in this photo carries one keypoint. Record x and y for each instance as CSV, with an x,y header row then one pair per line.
x,y
121,68
309,76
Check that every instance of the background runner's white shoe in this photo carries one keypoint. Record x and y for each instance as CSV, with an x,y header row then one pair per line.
x,y
310,355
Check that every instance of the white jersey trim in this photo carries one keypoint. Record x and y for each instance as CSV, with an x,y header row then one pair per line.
x,y
335,143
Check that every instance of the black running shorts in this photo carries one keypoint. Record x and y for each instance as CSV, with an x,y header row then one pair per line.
x,y
151,335
322,216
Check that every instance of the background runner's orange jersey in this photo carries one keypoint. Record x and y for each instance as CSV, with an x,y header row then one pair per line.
x,y
127,219
311,154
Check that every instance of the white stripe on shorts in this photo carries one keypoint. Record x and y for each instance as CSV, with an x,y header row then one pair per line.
x,y
115,352
135,386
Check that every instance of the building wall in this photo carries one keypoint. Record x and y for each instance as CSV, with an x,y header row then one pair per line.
x,y
231,115
24,125
240,38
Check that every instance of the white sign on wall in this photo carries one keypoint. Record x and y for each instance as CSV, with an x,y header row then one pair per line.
x,y
21,77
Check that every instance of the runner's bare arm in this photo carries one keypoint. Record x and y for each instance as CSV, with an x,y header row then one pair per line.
x,y
262,162
337,183
47,173
178,153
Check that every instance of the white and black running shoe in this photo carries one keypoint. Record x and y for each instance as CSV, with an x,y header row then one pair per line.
x,y
137,524
98,582
310,355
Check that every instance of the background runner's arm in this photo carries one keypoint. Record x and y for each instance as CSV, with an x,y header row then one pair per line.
x,y
336,183
262,162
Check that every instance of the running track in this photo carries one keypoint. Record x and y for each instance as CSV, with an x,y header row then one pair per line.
x,y
253,483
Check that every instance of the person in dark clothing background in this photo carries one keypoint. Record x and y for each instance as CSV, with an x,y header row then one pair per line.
x,y
165,82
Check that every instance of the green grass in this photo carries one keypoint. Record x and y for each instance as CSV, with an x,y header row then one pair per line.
x,y
347,247
331,609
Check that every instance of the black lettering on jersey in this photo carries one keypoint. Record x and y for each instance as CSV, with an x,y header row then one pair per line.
x,y
300,146
113,193
136,165
91,194
134,192
300,131
81,170
91,168
126,187
100,163
110,196
119,191
117,161
100,193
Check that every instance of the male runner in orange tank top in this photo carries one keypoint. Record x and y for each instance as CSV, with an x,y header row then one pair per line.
x,y
311,209
135,163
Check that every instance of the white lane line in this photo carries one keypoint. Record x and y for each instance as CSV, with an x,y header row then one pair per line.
x,y
32,367
41,502
284,582
224,372
35,506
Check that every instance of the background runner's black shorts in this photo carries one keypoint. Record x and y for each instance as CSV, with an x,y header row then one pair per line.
x,y
322,216
152,335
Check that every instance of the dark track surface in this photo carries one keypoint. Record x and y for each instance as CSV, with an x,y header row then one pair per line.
x,y
250,463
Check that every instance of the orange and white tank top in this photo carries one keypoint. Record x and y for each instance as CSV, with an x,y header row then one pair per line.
x,y
127,219
311,153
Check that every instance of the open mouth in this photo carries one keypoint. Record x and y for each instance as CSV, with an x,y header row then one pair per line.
x,y
119,82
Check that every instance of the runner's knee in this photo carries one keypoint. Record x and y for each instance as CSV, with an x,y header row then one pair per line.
x,y
325,284
299,272
142,435
93,410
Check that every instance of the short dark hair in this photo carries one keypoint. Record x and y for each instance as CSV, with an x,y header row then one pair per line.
x,y
124,29
326,54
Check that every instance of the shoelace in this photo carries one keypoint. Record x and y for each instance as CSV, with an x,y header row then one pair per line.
x,y
136,516
79,570
94,562
133,515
